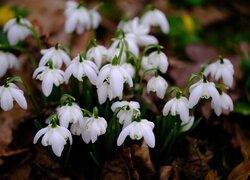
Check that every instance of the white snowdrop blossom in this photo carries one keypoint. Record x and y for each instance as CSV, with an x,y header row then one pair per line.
x,y
56,55
115,51
103,92
129,45
156,18
125,114
222,68
77,18
115,76
226,105
177,106
129,68
69,113
137,130
140,32
49,76
156,60
16,30
8,60
78,127
10,93
185,126
80,68
93,128
98,54
55,136
205,90
95,18
157,84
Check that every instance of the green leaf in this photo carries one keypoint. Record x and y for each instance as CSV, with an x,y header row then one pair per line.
x,y
242,108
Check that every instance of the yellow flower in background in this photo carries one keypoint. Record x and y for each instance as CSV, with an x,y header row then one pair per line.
x,y
188,23
6,13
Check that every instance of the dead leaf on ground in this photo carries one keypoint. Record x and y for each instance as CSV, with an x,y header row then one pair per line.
x,y
211,175
240,137
142,160
197,162
121,168
165,172
241,171
210,15
9,120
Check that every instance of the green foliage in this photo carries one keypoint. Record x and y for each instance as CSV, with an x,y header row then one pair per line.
x,y
20,11
180,35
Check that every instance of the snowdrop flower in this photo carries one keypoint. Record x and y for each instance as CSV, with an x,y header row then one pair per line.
x,y
9,93
203,89
8,60
49,76
137,130
98,54
140,32
56,55
95,18
222,68
226,105
125,114
156,18
129,44
94,127
80,67
157,84
177,106
77,18
16,30
115,51
69,113
55,136
129,68
115,76
77,128
103,92
185,126
156,60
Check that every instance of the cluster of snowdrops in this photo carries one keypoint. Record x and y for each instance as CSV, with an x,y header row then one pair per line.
x,y
114,71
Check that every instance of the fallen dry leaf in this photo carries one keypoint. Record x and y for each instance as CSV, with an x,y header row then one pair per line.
x,y
197,162
211,175
121,168
241,171
210,15
165,172
142,161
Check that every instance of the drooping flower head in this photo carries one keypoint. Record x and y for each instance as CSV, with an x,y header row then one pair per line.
x,y
221,68
226,104
177,105
156,59
157,84
49,76
10,92
156,17
203,89
54,135
111,80
137,130
69,113
139,31
98,54
17,30
126,111
94,127
8,60
80,67
56,55
77,18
